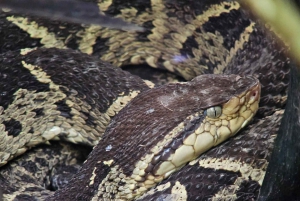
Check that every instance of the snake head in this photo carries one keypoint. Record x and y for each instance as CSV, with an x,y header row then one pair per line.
x,y
163,128
225,104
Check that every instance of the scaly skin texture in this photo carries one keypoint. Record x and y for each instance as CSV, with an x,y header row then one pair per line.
x,y
165,132
185,37
37,171
60,95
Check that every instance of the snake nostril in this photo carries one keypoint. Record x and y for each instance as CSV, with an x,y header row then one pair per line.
x,y
254,95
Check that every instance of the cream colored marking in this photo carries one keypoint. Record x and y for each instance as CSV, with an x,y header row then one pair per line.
x,y
169,66
190,140
213,130
141,165
223,131
214,54
157,5
232,106
128,13
77,133
108,163
210,136
40,75
225,122
235,166
200,129
23,188
149,83
203,142
131,51
247,171
123,43
179,190
215,10
92,178
119,103
151,60
183,154
165,167
47,38
8,148
88,38
27,50
207,126
160,188
235,124
128,190
237,46
110,185
52,133
242,100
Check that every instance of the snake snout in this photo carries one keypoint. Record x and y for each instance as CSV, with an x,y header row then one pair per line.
x,y
254,94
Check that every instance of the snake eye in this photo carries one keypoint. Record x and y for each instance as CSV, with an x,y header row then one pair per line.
x,y
214,112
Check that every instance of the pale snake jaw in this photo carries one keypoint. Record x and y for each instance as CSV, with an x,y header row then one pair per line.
x,y
215,37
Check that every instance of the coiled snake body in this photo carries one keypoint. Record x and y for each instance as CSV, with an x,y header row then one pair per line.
x,y
49,94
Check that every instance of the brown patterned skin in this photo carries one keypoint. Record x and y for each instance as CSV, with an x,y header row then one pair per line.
x,y
65,86
233,170
268,63
32,175
283,168
144,122
220,43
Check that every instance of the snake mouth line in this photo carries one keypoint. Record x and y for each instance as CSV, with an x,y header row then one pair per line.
x,y
206,133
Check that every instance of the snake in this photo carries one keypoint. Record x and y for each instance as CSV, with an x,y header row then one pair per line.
x,y
59,81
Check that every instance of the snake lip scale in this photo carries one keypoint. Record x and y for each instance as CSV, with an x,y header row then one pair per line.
x,y
183,129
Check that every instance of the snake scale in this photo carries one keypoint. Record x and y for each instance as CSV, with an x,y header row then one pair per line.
x,y
51,92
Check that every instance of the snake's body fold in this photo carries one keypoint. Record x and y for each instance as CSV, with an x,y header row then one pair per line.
x,y
175,142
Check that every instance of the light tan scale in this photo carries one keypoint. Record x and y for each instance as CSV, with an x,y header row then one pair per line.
x,y
48,39
165,42
169,49
220,123
51,125
178,192
74,128
125,48
253,170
